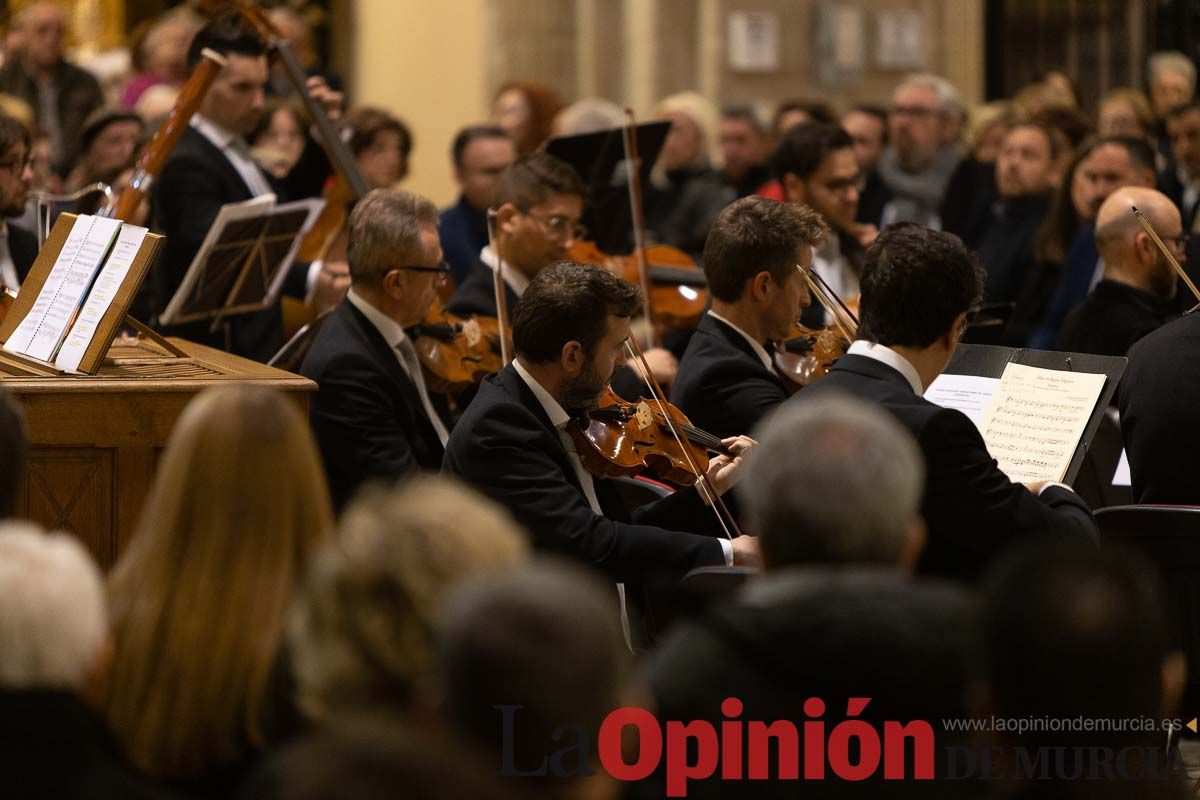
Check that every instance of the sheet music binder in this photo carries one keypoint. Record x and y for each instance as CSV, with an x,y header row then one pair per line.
x,y
111,321
989,361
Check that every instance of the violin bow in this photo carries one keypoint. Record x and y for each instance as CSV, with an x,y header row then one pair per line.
x,y
633,180
843,317
1146,226
498,289
718,505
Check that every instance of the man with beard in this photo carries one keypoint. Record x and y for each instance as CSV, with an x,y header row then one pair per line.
x,y
18,247
211,166
569,334
1134,297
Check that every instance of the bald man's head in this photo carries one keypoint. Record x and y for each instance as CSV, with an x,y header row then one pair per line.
x,y
1130,255
44,25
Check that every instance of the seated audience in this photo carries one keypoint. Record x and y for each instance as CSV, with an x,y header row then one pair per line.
x,y
917,288
381,144
107,146
791,113
727,380
481,154
743,142
1182,184
1108,165
372,414
1069,635
18,245
1172,82
278,138
1125,112
971,190
362,633
1003,237
526,112
14,448
524,654
55,655
867,126
1158,398
1134,297
923,129
587,115
160,58
200,682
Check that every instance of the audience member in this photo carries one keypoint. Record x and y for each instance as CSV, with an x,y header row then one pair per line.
x,y
381,144
237,508
1182,184
743,142
1108,165
14,448
55,655
62,94
18,246
815,164
791,113
160,58
480,154
362,634
1134,297
588,115
107,146
1172,78
917,287
277,140
1125,112
753,259
526,113
867,126
372,414
971,190
923,129
1071,634
526,658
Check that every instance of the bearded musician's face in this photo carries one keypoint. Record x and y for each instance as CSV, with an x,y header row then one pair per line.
x,y
584,389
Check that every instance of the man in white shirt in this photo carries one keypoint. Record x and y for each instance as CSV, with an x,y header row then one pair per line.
x,y
514,444
372,414
917,287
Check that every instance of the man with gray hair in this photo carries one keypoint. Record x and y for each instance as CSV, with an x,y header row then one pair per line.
x,y
372,413
835,482
923,130
54,656
1172,81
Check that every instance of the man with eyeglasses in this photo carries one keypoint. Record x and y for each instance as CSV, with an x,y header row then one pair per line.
x,y
816,166
1134,298
923,130
917,287
536,212
18,247
372,414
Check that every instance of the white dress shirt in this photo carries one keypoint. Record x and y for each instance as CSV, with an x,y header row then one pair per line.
x,y
759,350
886,355
516,280
235,149
406,354
834,268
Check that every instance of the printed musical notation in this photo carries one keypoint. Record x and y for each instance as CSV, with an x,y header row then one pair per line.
x,y
1036,419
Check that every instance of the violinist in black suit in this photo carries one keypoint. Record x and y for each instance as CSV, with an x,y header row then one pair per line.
x,y
18,247
727,381
372,415
917,287
211,166
569,334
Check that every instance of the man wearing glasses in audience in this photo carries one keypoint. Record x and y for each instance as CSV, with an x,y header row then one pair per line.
x,y
372,415
536,212
18,247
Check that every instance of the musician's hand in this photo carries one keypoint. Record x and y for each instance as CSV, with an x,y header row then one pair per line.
x,y
662,364
746,552
332,282
723,471
332,101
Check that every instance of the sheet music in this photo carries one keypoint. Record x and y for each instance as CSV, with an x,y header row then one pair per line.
x,y
41,332
970,394
1036,419
79,338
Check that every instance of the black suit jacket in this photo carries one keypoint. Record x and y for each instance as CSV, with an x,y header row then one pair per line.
x,y
366,414
1113,317
505,446
1159,399
971,508
23,247
197,180
721,384
476,295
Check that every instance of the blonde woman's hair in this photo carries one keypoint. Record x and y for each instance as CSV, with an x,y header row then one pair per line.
x,y
700,110
363,630
200,598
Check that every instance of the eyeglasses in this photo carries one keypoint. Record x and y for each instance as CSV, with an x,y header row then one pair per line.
x,y
18,164
559,226
443,268
1180,241
916,112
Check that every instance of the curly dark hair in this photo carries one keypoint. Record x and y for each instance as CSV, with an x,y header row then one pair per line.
x,y
915,282
569,301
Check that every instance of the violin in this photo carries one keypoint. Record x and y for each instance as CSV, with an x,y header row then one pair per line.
x,y
456,353
677,297
618,438
808,354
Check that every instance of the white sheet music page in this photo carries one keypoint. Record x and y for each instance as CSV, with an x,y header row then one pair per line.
x,y
112,274
41,332
970,394
1036,419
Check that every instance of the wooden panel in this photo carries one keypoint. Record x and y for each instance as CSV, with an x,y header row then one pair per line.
x,y
71,489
